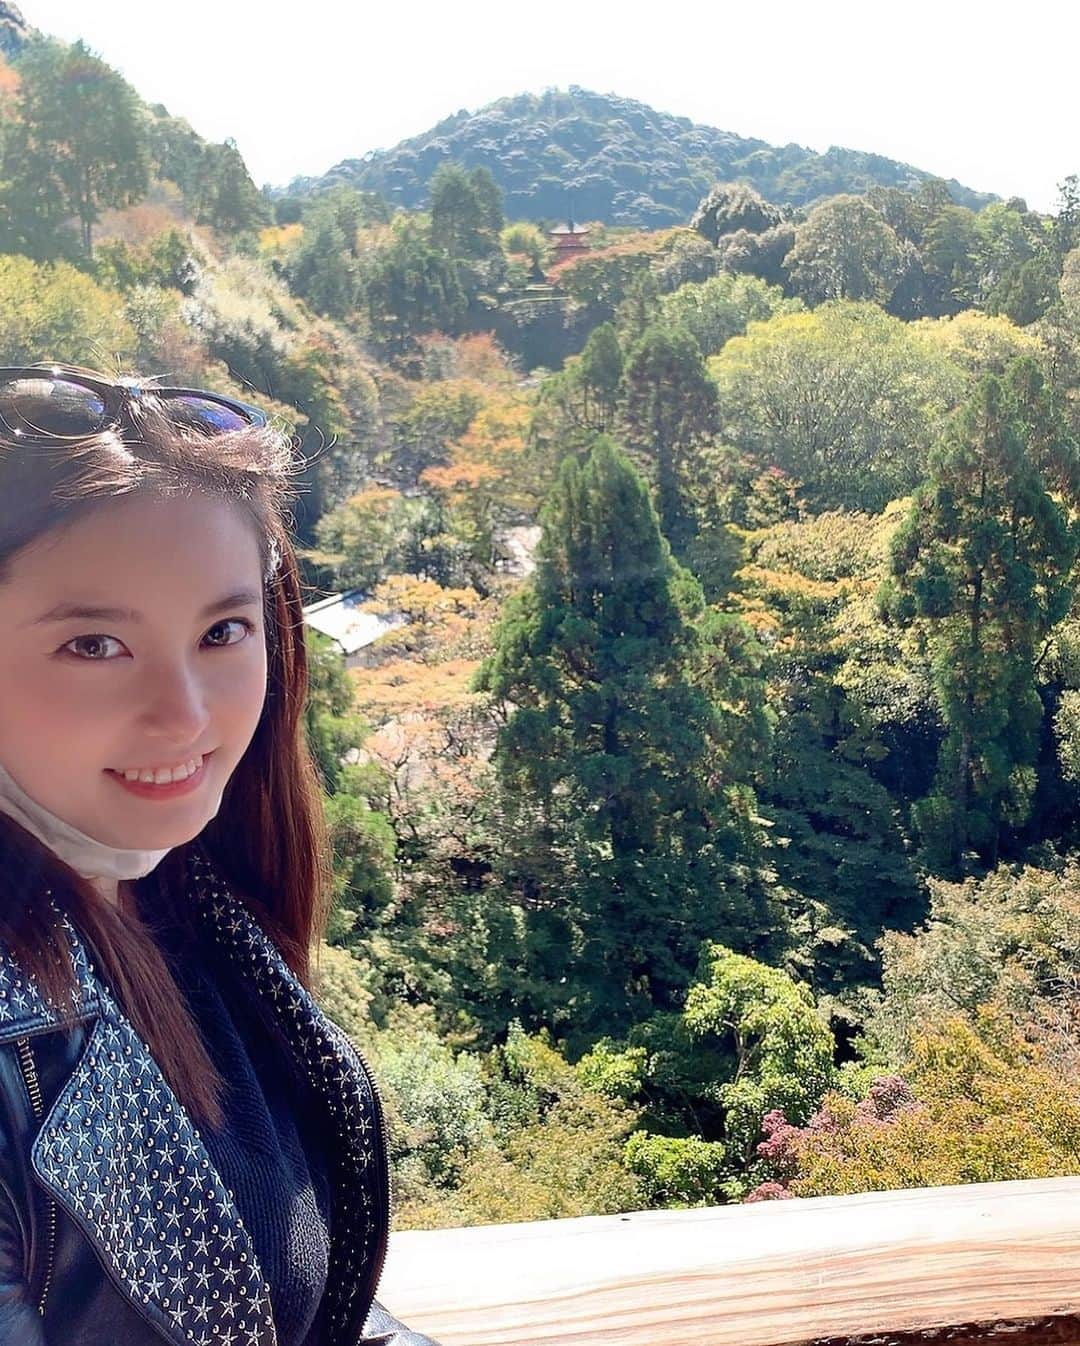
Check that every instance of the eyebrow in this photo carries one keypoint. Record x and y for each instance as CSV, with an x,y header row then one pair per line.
x,y
65,612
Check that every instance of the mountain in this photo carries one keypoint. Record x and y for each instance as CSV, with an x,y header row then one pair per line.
x,y
601,157
14,30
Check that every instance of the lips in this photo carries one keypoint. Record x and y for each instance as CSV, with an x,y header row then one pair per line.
x,y
190,764
167,789
162,775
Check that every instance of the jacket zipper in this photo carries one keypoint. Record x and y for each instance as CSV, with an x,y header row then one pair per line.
x,y
380,1117
33,1087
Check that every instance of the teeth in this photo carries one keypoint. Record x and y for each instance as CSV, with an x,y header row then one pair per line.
x,y
163,775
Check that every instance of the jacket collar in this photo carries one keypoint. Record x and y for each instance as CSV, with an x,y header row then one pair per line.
x,y
124,1159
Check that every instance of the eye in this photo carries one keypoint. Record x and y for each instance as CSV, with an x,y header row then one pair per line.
x,y
97,641
247,627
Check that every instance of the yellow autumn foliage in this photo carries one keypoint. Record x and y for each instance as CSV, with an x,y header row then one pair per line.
x,y
987,1109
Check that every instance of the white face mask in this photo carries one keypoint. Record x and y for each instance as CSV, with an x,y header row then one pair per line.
x,y
87,857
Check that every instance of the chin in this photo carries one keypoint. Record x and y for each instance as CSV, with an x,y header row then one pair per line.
x,y
152,838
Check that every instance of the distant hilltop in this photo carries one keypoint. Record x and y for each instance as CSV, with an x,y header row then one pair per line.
x,y
613,159
14,30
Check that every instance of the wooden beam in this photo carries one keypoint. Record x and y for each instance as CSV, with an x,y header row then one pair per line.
x,y
766,1274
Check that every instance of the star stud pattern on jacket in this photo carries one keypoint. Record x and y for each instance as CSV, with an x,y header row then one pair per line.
x,y
138,1180
360,1207
121,1155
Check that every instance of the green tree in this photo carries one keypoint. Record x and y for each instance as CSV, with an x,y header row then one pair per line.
x,y
228,199
176,151
350,210
986,559
410,287
489,197
1066,225
669,410
1025,293
54,308
974,1104
845,250
763,255
322,271
749,1040
601,371
581,400
730,207
783,1052
844,399
362,840
78,140
721,307
950,257
466,211
627,816
361,540
840,851
1011,939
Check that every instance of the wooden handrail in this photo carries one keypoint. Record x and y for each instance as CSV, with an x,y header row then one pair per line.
x,y
765,1274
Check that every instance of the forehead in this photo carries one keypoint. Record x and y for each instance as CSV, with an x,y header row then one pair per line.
x,y
136,549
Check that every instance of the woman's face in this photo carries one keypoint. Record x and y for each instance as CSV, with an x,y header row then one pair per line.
x,y
180,674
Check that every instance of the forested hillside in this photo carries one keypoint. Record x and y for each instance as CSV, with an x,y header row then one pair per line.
x,y
611,159
708,831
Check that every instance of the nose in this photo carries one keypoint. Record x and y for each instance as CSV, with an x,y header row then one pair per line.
x,y
175,707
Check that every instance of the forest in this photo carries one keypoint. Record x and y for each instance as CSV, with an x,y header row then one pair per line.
x,y
707,829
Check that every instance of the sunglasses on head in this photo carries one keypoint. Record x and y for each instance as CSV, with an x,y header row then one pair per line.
x,y
46,403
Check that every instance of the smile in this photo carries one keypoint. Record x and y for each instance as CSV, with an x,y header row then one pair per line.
x,y
160,775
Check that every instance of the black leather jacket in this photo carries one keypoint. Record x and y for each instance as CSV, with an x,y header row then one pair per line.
x,y
115,1227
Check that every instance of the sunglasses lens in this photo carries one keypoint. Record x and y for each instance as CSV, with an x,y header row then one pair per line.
x,y
206,414
49,408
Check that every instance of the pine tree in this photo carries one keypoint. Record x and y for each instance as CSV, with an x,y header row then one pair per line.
x,y
466,211
322,270
229,200
626,819
670,409
987,560
601,370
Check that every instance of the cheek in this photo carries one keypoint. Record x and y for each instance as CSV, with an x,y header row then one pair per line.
x,y
244,691
53,709
59,734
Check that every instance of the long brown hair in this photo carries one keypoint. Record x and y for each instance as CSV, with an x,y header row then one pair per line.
x,y
269,838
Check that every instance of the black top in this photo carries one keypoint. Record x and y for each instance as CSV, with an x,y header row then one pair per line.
x,y
268,1151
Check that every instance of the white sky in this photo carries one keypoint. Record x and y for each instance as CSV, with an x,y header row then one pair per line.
x,y
982,92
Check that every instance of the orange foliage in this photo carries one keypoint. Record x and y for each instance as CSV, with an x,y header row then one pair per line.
x,y
458,477
481,357
434,766
378,500
421,598
443,625
9,82
490,453
478,358
162,209
405,685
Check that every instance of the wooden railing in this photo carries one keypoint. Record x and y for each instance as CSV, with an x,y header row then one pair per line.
x,y
765,1274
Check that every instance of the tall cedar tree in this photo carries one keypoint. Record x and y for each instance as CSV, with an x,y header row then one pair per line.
x,y
601,372
466,211
670,410
79,139
987,559
228,199
626,822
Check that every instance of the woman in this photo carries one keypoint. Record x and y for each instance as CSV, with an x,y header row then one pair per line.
x,y
190,1151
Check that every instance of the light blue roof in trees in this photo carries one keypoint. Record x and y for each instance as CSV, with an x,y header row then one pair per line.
x,y
343,618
